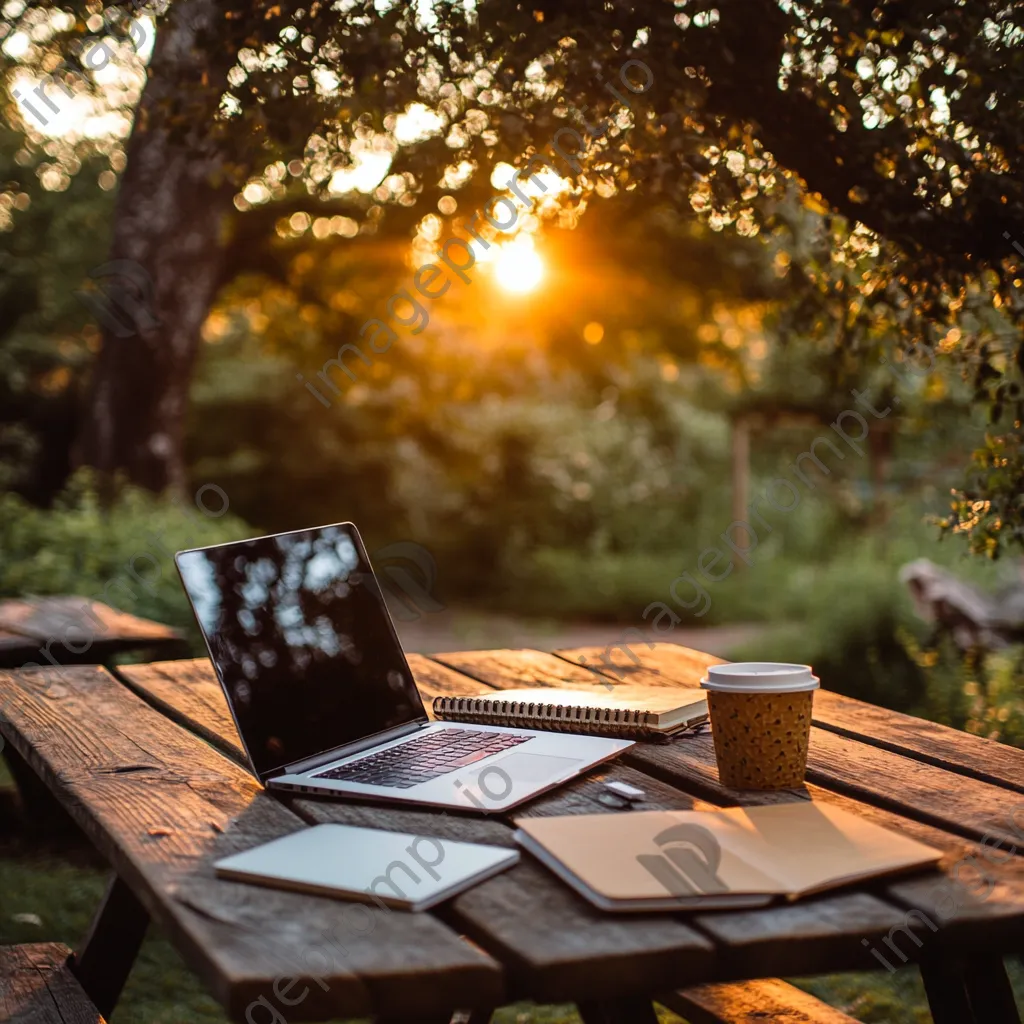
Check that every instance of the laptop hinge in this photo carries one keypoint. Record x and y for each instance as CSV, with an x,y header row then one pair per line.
x,y
354,747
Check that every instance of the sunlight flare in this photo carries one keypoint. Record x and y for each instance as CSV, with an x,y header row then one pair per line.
x,y
517,266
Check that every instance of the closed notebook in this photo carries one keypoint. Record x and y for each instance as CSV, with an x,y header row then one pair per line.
x,y
706,860
630,712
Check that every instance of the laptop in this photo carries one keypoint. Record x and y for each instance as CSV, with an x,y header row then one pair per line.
x,y
321,693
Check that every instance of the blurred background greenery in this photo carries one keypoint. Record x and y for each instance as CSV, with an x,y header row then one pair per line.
x,y
563,451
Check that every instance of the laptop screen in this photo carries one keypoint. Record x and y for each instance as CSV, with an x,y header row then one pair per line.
x,y
302,641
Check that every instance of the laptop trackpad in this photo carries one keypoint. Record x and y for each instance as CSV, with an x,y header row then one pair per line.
x,y
529,767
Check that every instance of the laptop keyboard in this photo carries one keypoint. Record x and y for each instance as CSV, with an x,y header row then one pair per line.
x,y
426,758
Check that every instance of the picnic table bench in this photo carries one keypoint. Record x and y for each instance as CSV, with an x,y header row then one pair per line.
x,y
127,758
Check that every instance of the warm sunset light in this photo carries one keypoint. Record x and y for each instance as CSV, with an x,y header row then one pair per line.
x,y
517,267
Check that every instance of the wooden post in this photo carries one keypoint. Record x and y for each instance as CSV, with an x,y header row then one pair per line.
x,y
740,471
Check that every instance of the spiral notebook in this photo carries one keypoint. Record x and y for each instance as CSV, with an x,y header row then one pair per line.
x,y
629,712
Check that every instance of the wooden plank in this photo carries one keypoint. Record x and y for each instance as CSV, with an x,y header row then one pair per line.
x,y
751,1001
643,661
917,738
162,805
506,670
947,748
957,803
188,693
43,617
435,680
37,987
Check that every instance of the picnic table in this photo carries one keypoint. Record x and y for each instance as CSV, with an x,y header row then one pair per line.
x,y
126,757
66,630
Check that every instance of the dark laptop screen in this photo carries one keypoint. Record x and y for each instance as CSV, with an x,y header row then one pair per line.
x,y
300,635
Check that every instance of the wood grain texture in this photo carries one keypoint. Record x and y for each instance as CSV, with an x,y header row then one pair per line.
x,y
751,1002
436,680
43,617
642,661
935,744
37,987
189,693
162,806
505,670
957,803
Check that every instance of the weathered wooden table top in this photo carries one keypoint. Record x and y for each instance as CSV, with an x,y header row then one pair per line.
x,y
128,759
64,630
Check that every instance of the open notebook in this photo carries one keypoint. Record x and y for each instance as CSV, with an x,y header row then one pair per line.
x,y
739,857
630,712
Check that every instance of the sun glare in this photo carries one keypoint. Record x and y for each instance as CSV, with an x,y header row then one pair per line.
x,y
517,267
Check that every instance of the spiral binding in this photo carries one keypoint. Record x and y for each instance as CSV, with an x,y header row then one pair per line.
x,y
557,717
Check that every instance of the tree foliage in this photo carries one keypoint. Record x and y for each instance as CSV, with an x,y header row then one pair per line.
x,y
898,125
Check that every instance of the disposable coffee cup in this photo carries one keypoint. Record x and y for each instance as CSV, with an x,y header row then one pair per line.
x,y
761,722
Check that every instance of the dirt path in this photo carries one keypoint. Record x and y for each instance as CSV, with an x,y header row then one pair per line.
x,y
456,629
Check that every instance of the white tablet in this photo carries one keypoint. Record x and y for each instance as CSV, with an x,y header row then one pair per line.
x,y
393,869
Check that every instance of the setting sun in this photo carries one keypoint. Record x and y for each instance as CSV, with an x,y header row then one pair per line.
x,y
517,267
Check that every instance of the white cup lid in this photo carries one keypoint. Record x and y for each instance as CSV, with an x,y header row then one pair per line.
x,y
760,677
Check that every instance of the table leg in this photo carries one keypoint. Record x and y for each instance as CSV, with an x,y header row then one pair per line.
x,y
634,1010
947,993
990,992
975,991
41,811
109,951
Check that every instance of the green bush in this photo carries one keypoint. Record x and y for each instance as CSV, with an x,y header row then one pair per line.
x,y
854,613
857,627
566,582
80,547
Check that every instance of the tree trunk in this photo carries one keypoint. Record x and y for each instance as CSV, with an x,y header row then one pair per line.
x,y
167,256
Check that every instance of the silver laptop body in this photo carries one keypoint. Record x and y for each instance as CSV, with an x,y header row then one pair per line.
x,y
322,694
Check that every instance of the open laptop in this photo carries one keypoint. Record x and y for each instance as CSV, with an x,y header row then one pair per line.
x,y
321,693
